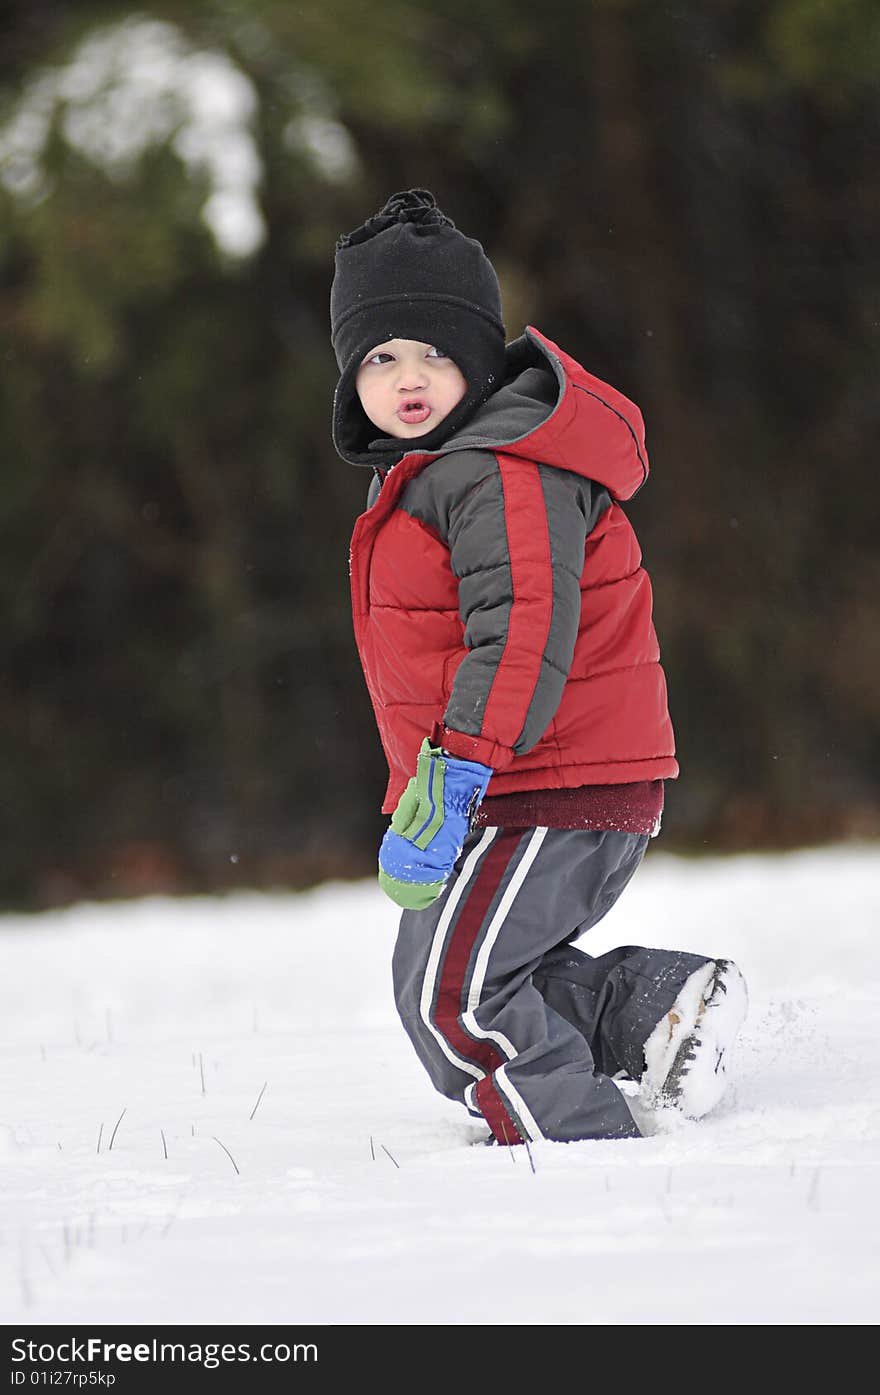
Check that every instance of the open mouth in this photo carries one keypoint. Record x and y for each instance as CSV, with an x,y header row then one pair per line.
x,y
413,413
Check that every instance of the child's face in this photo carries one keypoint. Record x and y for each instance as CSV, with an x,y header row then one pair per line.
x,y
406,388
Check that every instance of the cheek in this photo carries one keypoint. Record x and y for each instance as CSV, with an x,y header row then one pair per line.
x,y
457,390
366,391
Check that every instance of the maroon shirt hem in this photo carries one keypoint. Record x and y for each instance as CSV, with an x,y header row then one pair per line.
x,y
634,808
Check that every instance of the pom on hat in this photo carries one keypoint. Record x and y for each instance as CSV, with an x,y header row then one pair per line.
x,y
409,206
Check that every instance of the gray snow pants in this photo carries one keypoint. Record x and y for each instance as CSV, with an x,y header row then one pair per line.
x,y
504,1013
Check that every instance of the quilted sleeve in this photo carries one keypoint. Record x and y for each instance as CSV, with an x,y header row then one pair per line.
x,y
516,543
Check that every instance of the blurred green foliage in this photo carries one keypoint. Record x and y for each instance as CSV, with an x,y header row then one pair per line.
x,y
684,196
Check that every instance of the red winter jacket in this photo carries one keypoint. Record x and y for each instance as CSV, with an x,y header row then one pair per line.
x,y
498,596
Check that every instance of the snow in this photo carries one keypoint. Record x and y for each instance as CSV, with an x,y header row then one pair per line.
x,y
327,144
135,84
358,1197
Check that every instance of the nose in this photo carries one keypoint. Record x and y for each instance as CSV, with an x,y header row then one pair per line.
x,y
411,376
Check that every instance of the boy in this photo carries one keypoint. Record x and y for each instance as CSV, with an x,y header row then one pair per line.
x,y
503,621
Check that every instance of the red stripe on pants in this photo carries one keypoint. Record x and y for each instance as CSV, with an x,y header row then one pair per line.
x,y
494,1112
447,1010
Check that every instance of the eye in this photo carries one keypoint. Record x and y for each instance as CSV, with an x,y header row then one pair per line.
x,y
378,359
436,353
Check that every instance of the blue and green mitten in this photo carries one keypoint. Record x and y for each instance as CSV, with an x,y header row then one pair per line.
x,y
433,817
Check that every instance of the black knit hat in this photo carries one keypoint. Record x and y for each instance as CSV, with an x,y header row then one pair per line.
x,y
408,273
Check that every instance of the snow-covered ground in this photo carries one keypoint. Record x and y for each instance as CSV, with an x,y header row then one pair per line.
x,y
353,1194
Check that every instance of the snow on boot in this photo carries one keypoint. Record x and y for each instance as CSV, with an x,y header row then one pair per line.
x,y
688,1054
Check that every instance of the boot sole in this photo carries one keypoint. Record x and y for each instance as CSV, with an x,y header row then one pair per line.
x,y
698,1077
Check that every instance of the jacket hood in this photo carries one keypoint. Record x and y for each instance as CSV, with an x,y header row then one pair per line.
x,y
551,410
